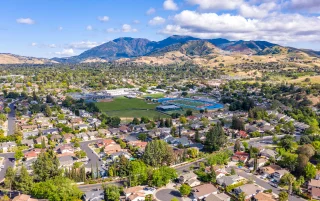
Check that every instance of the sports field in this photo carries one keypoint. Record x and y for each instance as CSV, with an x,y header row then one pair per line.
x,y
124,107
196,104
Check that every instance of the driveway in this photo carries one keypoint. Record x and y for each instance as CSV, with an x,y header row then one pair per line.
x,y
93,158
167,194
11,119
265,184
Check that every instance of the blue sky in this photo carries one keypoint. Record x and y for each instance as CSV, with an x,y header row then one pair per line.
x,y
58,28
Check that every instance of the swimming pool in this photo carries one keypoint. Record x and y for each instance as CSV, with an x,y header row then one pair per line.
x,y
196,104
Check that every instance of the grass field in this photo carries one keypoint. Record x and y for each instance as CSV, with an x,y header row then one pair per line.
x,y
159,95
124,107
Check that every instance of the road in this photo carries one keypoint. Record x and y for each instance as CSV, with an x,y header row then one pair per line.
x,y
265,184
7,163
11,119
92,187
93,158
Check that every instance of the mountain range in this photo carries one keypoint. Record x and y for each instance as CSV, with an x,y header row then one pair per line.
x,y
176,49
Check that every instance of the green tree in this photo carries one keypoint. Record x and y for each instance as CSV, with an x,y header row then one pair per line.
x,y
288,179
24,181
135,121
137,173
46,166
237,145
183,119
215,138
162,176
307,150
9,178
7,110
174,199
57,189
158,152
237,123
310,171
242,196
233,172
112,193
283,196
193,152
185,190
47,111
18,154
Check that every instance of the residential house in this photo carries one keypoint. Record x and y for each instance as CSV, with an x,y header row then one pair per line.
x,y
67,161
124,129
137,193
249,190
28,127
314,189
229,180
218,197
30,134
7,146
82,127
263,197
104,132
268,153
83,136
28,143
104,142
65,149
112,148
186,177
193,182
24,197
40,139
243,134
92,135
32,154
51,131
116,155
68,137
114,131
269,170
138,143
260,162
56,138
240,157
203,191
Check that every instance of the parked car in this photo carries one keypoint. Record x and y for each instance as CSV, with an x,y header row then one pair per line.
x,y
273,184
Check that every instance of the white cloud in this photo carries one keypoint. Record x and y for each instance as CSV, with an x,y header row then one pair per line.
x,y
217,4
52,46
34,44
25,21
127,28
89,28
113,30
83,45
66,52
260,11
157,21
103,19
151,11
319,17
60,28
280,28
136,21
170,5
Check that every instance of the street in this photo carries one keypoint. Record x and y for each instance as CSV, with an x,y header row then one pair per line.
x,y
93,158
265,184
11,119
7,163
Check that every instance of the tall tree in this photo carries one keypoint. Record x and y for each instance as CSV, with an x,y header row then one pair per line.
x,y
112,193
158,152
46,166
9,178
24,181
215,138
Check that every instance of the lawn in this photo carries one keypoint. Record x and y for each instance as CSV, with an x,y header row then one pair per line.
x,y
159,95
124,107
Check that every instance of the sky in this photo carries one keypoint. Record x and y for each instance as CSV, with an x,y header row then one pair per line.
x,y
62,28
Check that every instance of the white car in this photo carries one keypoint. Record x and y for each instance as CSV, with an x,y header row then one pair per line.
x,y
1,166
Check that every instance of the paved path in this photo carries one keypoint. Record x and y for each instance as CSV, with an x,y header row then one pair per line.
x,y
265,184
11,119
168,194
